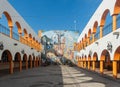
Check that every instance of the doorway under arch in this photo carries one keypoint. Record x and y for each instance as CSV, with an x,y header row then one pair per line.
x,y
89,62
96,62
25,61
6,63
116,66
33,63
30,62
17,61
105,61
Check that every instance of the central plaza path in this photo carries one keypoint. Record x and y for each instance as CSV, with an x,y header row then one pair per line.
x,y
56,76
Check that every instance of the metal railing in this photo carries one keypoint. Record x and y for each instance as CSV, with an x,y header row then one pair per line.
x,y
15,36
91,39
4,30
97,34
107,29
118,22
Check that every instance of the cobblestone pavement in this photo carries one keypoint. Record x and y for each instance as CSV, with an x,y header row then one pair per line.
x,y
56,76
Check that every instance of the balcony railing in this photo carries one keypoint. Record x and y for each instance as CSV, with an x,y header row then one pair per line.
x,y
4,30
118,22
15,36
107,29
91,39
97,34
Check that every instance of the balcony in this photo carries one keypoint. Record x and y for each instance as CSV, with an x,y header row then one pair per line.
x,y
5,31
107,29
118,22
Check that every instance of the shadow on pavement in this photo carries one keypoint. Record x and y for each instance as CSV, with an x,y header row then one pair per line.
x,y
49,76
90,78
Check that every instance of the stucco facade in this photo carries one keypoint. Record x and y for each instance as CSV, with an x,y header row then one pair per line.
x,y
23,51
99,41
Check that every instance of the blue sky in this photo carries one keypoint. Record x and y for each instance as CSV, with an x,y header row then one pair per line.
x,y
56,14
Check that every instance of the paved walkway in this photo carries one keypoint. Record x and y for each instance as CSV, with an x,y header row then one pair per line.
x,y
56,76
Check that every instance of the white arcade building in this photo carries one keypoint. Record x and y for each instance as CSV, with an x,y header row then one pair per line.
x,y
19,49
98,46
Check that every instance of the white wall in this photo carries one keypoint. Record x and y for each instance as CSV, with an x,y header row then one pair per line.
x,y
15,16
9,45
97,16
7,41
102,45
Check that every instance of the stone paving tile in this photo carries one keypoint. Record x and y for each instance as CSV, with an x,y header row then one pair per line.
x,y
56,76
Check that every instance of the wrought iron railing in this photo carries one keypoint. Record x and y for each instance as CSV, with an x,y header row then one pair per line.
x,y
97,34
15,36
118,22
107,29
91,39
4,30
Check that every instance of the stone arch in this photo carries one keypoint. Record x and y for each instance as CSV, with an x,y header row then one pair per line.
x,y
82,43
85,58
117,7
85,61
34,59
34,38
117,54
95,27
25,33
30,61
117,58
105,57
89,57
104,54
6,61
89,61
25,61
95,56
36,41
17,61
9,19
6,56
17,57
85,37
30,36
103,18
82,58
24,57
89,33
19,27
82,39
30,57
